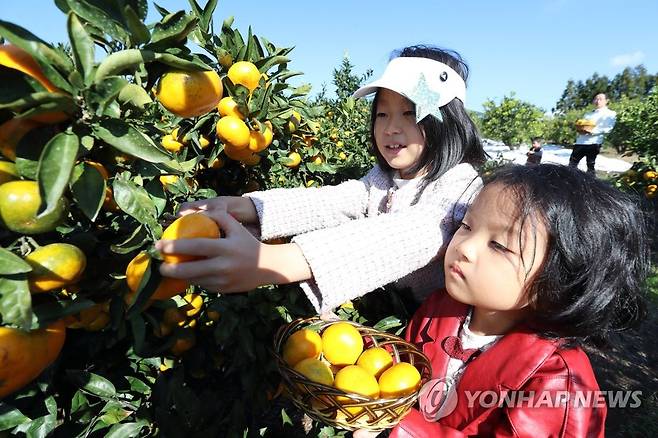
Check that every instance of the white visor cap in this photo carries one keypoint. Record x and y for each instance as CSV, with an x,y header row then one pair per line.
x,y
404,75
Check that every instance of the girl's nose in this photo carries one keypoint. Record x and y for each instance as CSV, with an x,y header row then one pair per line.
x,y
465,248
392,126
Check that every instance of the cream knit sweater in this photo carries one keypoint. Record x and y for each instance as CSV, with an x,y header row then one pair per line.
x,y
364,234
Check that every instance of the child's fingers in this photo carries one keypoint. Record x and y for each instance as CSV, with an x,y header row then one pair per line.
x,y
197,247
196,270
227,223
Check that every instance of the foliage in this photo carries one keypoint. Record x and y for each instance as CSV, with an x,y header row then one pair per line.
x,y
560,127
513,121
630,83
636,127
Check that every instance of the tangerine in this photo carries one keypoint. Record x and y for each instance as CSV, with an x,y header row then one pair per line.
x,y
342,344
190,226
301,345
244,73
375,360
356,380
19,205
189,93
229,107
315,370
167,288
399,380
54,266
233,131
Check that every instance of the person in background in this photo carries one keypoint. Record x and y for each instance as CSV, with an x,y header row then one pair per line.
x,y
535,152
591,131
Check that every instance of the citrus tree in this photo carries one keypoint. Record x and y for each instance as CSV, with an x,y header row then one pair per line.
x,y
101,140
513,121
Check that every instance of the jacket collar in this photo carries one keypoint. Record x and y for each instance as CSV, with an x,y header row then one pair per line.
x,y
508,363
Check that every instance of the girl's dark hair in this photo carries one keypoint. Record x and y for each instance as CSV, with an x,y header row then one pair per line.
x,y
592,281
447,143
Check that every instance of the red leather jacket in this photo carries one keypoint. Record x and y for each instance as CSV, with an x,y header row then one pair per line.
x,y
519,361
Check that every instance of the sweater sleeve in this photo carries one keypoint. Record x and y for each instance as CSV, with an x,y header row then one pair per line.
x,y
287,212
354,258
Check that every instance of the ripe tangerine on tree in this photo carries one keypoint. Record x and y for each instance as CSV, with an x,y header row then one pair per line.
x,y
293,160
244,73
135,270
233,131
190,226
189,93
54,266
19,203
229,107
342,344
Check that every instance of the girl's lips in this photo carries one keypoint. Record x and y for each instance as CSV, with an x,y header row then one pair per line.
x,y
455,270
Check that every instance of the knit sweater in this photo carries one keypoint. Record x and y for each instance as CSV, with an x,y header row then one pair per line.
x,y
364,234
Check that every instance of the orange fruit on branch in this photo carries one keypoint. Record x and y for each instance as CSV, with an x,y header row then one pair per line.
x,y
24,355
232,130
189,93
19,203
54,266
167,288
190,226
244,73
228,107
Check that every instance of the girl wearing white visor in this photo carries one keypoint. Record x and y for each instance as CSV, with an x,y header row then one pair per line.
x,y
390,226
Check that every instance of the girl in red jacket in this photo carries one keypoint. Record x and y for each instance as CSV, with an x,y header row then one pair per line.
x,y
546,258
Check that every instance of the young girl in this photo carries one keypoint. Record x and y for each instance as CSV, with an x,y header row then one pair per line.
x,y
534,270
350,239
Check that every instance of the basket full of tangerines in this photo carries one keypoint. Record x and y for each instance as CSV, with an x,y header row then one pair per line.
x,y
348,375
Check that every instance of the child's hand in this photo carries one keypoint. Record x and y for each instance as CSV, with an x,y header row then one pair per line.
x,y
240,208
234,263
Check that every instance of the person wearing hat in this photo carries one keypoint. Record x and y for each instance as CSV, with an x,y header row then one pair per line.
x,y
388,227
591,131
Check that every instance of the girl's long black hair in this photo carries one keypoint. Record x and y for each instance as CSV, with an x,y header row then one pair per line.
x,y
448,143
592,280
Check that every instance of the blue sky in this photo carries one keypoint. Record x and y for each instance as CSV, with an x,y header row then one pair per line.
x,y
528,47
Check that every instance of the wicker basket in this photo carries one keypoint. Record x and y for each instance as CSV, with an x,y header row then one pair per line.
x,y
319,401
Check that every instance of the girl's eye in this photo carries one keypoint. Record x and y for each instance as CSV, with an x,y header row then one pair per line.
x,y
498,247
410,113
464,226
381,114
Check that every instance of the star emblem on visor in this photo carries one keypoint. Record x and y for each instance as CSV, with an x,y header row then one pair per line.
x,y
426,100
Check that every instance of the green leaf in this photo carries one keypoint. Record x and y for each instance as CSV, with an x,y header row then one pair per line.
x,y
206,18
15,301
135,201
92,383
41,102
54,171
138,386
29,150
42,53
139,33
39,427
173,29
134,241
79,401
127,430
119,62
10,417
129,140
388,323
103,14
11,264
134,96
83,47
88,189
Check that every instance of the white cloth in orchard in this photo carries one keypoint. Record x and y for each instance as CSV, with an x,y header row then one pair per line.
x,y
354,244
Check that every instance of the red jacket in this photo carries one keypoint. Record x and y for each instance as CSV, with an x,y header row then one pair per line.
x,y
519,361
